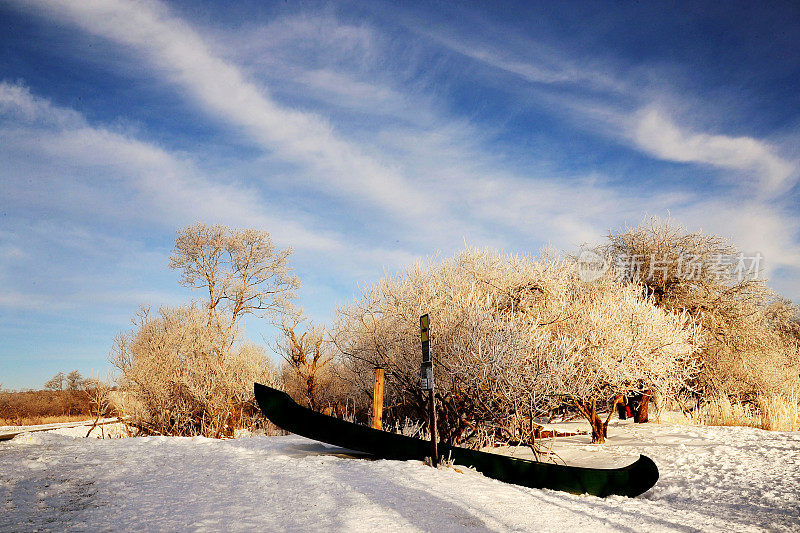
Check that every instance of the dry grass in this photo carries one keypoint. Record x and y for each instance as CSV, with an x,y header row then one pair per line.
x,y
722,411
38,420
777,412
780,412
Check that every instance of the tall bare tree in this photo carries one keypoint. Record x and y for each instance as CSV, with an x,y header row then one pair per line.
x,y
56,382
185,368
74,380
308,373
241,271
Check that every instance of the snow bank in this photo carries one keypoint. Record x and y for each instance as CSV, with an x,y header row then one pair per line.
x,y
712,479
106,428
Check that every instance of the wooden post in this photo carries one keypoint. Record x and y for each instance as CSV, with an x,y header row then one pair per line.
x,y
377,400
426,376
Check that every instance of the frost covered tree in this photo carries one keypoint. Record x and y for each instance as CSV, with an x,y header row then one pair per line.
x,y
186,369
74,380
241,271
513,338
176,380
617,343
749,347
783,317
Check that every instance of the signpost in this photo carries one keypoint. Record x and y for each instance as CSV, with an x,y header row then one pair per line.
x,y
426,382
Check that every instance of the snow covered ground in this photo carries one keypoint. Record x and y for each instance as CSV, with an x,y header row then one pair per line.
x,y
712,479
102,428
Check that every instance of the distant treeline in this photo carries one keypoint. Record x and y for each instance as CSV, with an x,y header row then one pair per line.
x,y
42,407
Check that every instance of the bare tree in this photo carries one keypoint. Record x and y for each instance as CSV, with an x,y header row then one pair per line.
x,y
74,381
308,374
98,393
56,382
241,271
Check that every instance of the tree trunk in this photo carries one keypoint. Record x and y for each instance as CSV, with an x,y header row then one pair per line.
x,y
599,429
640,416
589,411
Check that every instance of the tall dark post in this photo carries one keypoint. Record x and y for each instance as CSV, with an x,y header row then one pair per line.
x,y
426,379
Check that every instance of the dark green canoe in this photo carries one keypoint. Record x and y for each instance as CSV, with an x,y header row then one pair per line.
x,y
630,480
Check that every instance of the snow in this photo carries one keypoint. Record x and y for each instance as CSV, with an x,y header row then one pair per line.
x,y
105,428
712,479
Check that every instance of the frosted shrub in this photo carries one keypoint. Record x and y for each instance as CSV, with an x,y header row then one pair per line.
x,y
751,336
513,338
178,382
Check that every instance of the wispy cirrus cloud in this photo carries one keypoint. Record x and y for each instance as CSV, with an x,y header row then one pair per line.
x,y
656,133
536,65
58,163
171,188
341,168
508,207
447,156
631,109
628,106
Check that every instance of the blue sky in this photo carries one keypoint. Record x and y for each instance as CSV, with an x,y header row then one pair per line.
x,y
367,135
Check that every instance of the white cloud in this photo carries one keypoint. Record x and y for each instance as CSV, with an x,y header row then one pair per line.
x,y
341,167
657,134
340,89
98,299
601,98
534,64
179,192
17,103
110,179
752,225
10,253
467,190
20,301
300,38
